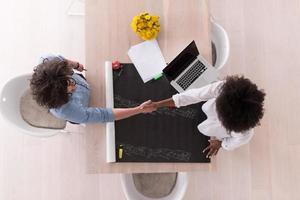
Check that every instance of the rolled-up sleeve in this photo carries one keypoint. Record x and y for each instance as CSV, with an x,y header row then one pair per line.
x,y
197,95
237,140
77,114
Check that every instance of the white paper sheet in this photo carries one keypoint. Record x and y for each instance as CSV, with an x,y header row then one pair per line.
x,y
148,59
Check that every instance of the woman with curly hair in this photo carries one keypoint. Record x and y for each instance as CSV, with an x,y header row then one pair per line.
x,y
66,94
233,108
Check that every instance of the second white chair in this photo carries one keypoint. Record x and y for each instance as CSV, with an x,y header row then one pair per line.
x,y
221,43
177,192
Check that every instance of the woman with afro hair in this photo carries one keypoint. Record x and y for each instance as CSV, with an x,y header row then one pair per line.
x,y
233,108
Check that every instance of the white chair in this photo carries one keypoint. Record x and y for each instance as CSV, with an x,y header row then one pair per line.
x,y
221,43
76,8
177,192
10,107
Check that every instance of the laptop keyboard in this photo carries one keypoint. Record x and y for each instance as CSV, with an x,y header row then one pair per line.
x,y
191,75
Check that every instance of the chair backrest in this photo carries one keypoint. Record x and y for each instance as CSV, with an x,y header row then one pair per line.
x,y
132,193
76,8
10,107
221,41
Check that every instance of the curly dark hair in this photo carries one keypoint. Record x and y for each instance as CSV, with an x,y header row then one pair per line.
x,y
239,104
50,81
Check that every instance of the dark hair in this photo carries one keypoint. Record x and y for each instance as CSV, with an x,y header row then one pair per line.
x,y
49,83
239,104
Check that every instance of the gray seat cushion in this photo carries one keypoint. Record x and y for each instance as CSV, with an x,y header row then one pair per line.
x,y
155,185
36,115
213,54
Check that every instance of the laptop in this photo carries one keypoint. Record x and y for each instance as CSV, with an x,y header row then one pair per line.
x,y
190,70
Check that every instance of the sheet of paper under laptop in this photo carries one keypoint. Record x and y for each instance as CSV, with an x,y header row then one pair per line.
x,y
148,59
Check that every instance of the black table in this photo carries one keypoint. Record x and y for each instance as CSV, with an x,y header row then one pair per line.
x,y
166,135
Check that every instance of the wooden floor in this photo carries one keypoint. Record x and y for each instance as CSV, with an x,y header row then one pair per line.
x,y
265,43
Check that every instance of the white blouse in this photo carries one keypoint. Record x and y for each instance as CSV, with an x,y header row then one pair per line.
x,y
212,126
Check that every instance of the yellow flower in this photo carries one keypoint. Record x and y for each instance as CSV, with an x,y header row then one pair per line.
x,y
148,17
146,26
155,34
134,27
150,24
135,19
141,25
155,18
149,34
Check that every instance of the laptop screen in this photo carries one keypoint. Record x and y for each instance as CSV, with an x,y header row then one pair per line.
x,y
181,62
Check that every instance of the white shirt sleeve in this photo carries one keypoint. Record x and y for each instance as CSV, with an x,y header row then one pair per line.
x,y
237,140
197,95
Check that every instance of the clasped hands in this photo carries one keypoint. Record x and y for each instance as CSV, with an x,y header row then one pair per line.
x,y
148,106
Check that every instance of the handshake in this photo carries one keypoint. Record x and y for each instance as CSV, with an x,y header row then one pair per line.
x,y
150,106
146,107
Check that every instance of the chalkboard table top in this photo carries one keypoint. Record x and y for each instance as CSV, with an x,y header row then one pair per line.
x,y
166,135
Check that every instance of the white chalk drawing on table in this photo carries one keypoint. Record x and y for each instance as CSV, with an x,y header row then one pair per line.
x,y
149,153
183,112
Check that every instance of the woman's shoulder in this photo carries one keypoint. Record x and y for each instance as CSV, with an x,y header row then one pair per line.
x,y
79,77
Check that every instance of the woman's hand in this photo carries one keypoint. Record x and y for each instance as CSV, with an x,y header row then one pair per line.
x,y
212,148
76,65
122,113
147,107
159,104
79,67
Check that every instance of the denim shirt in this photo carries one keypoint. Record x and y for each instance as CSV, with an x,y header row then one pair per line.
x,y
77,109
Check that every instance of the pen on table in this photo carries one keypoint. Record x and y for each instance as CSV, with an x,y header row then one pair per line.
x,y
120,151
158,76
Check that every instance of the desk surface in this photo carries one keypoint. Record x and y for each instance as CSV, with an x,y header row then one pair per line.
x,y
109,36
